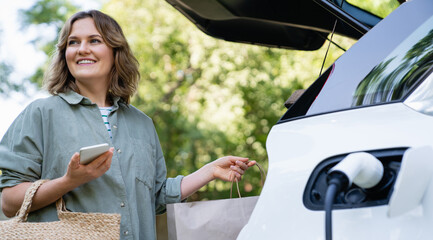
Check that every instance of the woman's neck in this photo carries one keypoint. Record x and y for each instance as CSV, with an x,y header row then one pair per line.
x,y
96,94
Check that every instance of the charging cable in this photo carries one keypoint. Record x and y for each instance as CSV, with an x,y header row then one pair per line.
x,y
361,168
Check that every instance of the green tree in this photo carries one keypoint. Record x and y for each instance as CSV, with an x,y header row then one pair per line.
x,y
381,8
47,14
6,86
209,97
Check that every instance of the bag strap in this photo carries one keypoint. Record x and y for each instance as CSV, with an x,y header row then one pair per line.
x,y
61,207
262,177
28,198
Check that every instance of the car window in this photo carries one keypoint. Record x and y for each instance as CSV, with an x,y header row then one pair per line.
x,y
389,81
394,77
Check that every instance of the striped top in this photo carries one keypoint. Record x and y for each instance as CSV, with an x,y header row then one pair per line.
x,y
105,111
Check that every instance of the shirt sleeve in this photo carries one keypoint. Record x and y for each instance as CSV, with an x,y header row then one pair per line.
x,y
21,149
167,190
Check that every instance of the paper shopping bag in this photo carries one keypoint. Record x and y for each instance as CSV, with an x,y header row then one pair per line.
x,y
210,220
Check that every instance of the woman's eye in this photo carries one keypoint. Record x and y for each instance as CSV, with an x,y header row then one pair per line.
x,y
72,42
95,41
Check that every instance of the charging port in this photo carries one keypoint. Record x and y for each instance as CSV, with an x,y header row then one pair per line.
x,y
354,196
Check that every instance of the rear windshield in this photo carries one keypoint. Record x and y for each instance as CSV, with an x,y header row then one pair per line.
x,y
393,78
390,81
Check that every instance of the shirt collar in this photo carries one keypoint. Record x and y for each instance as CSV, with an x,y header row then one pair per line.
x,y
74,98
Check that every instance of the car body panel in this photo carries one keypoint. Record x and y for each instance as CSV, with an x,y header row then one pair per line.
x,y
296,147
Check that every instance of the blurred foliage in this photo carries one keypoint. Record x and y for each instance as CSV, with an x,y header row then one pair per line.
x,y
380,8
6,86
46,13
207,97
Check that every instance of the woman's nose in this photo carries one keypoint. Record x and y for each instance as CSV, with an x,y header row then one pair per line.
x,y
84,48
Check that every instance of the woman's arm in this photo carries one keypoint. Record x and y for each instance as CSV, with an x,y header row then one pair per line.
x,y
225,168
76,175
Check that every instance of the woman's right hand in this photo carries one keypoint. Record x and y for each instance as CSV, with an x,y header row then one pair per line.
x,y
78,174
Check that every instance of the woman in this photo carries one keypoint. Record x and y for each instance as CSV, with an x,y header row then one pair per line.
x,y
93,71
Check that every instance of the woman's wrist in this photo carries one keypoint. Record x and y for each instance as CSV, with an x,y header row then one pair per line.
x,y
67,183
210,171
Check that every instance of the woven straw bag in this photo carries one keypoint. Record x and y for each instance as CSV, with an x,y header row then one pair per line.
x,y
72,225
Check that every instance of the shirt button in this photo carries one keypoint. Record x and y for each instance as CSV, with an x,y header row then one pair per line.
x,y
119,151
125,233
122,204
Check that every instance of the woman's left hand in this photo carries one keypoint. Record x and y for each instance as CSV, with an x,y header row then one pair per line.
x,y
230,167
226,168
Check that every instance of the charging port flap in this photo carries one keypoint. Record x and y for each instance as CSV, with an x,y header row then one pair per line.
x,y
412,181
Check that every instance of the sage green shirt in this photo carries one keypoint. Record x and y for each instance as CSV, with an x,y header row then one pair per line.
x,y
40,142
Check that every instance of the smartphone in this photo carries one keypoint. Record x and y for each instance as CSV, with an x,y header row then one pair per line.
x,y
90,153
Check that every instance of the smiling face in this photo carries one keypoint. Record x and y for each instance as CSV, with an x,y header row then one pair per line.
x,y
88,57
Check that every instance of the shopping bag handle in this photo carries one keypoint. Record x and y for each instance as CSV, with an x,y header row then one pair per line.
x,y
28,198
262,177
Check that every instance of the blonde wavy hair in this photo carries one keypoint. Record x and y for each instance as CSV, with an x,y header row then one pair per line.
x,y
124,75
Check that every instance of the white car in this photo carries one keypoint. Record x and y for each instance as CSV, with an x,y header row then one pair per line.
x,y
358,142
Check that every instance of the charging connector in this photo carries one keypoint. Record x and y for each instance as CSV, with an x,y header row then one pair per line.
x,y
362,169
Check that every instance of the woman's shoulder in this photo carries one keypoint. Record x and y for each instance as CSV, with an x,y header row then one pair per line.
x,y
132,110
44,103
43,106
37,108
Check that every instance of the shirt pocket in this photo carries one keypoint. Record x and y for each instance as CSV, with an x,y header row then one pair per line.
x,y
144,156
